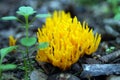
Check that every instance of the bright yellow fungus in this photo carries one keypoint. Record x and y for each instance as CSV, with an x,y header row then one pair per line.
x,y
68,40
12,41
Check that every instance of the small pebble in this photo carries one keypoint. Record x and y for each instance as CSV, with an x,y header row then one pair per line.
x,y
63,76
37,75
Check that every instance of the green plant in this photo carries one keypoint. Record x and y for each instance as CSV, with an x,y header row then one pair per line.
x,y
117,14
110,49
114,5
3,53
28,41
115,8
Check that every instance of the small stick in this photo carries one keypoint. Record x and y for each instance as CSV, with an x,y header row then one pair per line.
x,y
99,69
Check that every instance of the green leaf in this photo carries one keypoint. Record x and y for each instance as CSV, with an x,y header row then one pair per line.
x,y
5,51
28,41
112,48
42,15
25,11
43,45
117,16
4,67
9,18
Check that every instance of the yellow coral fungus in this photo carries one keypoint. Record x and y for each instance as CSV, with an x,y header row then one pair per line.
x,y
12,41
68,40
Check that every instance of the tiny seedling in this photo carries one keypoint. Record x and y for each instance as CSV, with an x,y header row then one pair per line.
x,y
110,49
28,41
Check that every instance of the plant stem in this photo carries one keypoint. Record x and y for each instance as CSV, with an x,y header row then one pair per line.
x,y
29,62
26,69
26,25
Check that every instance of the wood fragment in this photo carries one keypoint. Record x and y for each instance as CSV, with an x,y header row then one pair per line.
x,y
99,69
